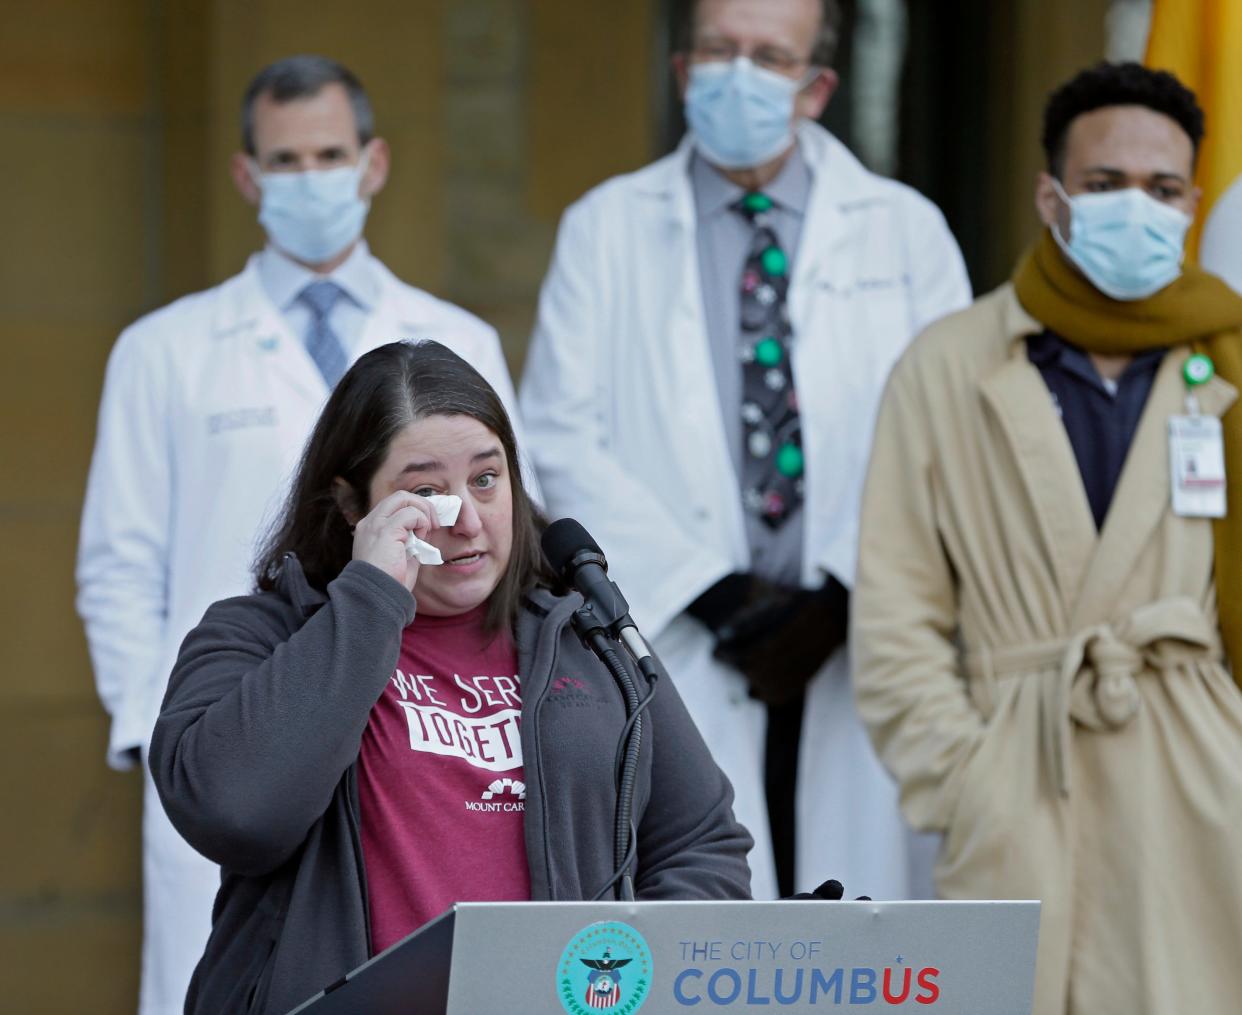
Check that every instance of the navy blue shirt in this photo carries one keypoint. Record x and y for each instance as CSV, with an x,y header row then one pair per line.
x,y
1099,418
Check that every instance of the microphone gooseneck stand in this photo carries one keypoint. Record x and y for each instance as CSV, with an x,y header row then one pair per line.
x,y
593,631
604,625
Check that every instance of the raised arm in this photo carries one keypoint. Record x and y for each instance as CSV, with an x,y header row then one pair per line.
x,y
263,717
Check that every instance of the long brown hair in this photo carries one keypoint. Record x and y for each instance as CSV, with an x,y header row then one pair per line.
x,y
385,391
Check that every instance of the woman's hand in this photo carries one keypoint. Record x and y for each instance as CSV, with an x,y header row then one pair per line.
x,y
380,538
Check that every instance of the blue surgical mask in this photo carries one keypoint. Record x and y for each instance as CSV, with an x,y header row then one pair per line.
x,y
313,215
1128,244
741,115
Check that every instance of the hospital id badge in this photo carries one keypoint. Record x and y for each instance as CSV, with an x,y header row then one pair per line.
x,y
1197,466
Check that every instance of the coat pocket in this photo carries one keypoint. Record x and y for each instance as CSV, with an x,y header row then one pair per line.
x,y
1003,814
977,821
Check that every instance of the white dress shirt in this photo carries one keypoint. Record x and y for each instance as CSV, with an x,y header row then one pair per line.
x,y
283,280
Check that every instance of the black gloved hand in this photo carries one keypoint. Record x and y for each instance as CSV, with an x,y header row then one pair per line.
x,y
781,640
716,607
830,891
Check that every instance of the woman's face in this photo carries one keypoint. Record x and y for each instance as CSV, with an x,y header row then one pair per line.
x,y
455,455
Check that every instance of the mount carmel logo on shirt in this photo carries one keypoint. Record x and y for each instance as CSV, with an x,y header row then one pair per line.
x,y
504,796
501,786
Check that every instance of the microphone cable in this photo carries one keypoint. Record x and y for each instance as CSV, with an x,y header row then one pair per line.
x,y
625,775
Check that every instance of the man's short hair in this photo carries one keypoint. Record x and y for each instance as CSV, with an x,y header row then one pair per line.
x,y
303,77
826,39
1117,84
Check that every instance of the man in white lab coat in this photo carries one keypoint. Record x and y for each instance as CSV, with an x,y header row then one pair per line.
x,y
712,340
206,406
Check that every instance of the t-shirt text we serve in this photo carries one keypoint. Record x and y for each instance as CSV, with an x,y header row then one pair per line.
x,y
476,718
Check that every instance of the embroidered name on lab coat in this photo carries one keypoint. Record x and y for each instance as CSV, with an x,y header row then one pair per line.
x,y
241,419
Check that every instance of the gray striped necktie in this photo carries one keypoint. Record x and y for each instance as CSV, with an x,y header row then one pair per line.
x,y
321,341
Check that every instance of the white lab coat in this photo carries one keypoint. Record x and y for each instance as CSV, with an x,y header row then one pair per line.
x,y
626,431
207,404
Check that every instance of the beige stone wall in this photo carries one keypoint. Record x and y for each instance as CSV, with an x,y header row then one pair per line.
x,y
1039,44
77,112
118,118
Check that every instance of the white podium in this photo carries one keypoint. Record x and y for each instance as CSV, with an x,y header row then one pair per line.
x,y
586,958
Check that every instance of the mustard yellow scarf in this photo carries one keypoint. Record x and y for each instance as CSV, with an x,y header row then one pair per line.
x,y
1197,310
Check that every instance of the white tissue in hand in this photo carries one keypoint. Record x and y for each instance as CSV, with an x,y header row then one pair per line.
x,y
447,507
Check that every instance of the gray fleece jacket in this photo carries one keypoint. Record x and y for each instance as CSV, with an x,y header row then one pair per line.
x,y
255,753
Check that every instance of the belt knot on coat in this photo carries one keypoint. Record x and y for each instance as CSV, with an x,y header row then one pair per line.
x,y
1090,678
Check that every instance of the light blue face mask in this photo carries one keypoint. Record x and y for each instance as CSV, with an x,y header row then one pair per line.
x,y
314,215
741,115
1129,245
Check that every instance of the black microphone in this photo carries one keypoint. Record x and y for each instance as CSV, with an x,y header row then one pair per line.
x,y
577,558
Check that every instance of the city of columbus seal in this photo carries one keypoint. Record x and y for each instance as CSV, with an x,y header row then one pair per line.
x,y
606,967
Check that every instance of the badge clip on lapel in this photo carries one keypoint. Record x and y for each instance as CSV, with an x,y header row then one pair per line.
x,y
1197,450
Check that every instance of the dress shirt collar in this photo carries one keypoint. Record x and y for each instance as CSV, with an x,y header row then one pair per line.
x,y
1048,349
283,279
714,193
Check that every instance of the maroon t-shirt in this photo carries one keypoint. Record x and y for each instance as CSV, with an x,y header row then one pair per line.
x,y
440,778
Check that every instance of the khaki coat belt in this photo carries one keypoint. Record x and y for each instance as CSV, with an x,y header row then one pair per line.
x,y
1090,678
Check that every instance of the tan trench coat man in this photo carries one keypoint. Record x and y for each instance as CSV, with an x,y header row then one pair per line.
x,y
1038,653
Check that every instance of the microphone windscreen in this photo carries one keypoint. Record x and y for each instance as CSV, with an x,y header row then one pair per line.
x,y
564,538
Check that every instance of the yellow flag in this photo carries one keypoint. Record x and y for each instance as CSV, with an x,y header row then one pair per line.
x,y
1201,42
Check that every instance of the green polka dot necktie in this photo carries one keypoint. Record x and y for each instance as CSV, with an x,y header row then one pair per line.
x,y
772,465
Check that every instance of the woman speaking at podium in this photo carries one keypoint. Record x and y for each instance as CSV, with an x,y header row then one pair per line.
x,y
373,736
